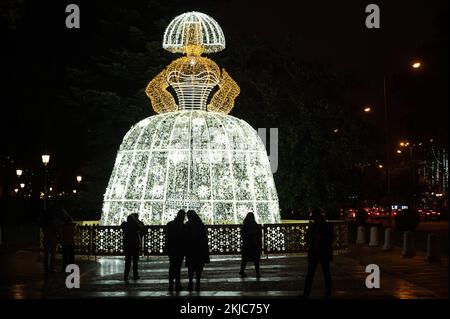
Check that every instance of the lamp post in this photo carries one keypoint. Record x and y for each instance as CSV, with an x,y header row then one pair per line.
x,y
415,65
19,172
386,132
79,178
411,164
45,161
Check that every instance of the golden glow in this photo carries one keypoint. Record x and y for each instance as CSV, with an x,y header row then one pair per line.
x,y
162,101
416,65
404,144
16,190
193,50
367,109
22,185
399,151
192,77
79,178
223,99
193,66
380,166
19,172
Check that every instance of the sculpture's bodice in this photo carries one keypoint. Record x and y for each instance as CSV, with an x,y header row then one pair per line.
x,y
192,79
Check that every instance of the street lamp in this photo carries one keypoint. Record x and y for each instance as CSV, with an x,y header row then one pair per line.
x,y
18,172
79,178
22,185
45,161
416,65
411,161
367,109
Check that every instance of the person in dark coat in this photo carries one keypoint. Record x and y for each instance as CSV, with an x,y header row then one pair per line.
x,y
68,233
175,249
197,249
132,230
49,240
319,239
251,244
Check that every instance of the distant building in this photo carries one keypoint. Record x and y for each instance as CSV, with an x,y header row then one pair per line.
x,y
433,172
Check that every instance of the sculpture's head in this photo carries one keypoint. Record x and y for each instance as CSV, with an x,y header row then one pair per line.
x,y
193,33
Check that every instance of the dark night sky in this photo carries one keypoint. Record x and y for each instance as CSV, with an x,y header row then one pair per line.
x,y
330,31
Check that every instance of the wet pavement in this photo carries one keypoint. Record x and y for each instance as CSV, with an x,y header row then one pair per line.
x,y
282,277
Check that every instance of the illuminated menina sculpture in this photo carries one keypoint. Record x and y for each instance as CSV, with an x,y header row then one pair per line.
x,y
192,155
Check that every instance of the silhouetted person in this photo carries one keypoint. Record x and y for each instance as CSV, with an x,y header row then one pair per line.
x,y
139,222
49,241
319,239
68,233
175,237
251,244
132,245
197,250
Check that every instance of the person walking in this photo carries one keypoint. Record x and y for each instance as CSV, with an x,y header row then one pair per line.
x,y
68,233
175,230
197,250
319,239
251,244
132,245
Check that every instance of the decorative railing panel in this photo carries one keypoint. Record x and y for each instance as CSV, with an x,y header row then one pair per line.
x,y
290,238
83,240
341,235
154,241
107,240
222,239
284,238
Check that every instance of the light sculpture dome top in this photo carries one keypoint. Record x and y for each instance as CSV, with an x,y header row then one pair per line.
x,y
193,28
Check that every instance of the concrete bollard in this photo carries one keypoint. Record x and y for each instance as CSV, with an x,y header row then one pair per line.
x,y
433,252
361,235
374,238
388,240
408,250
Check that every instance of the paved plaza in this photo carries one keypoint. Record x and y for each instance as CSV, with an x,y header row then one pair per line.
x,y
282,277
